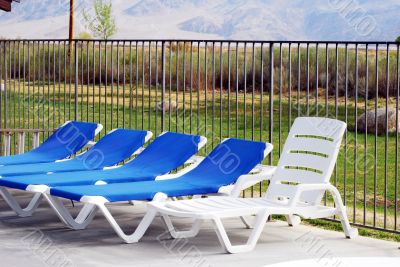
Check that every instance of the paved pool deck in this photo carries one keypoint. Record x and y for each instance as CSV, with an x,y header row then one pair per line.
x,y
42,240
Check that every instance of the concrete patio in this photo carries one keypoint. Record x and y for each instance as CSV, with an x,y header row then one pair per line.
x,y
43,241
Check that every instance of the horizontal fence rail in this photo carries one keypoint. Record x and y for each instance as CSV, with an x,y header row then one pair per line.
x,y
245,89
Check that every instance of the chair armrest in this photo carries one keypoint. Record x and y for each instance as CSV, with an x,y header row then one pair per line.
x,y
301,188
259,173
193,162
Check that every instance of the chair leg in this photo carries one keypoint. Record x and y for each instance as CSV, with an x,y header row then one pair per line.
x,y
293,220
16,207
246,222
260,221
140,230
349,231
194,230
84,218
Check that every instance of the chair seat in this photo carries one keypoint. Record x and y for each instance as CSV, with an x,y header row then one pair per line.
x,y
221,206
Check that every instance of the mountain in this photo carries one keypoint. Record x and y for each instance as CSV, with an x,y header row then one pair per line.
x,y
216,19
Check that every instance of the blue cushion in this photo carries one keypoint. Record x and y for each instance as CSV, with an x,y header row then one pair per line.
x,y
64,142
166,153
110,150
223,166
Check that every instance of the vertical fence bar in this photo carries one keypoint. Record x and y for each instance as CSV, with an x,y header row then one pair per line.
x,y
271,98
48,86
191,89
118,82
123,82
245,90
143,81
298,79
327,79
76,80
396,174
149,84
94,79
105,84
198,87
1,91
163,86
253,74
88,80
386,135
308,79
23,85
346,92
280,99
355,137
221,86
316,79
289,86
184,87
82,77
237,90
5,125
366,134
261,93
213,96
130,124
29,89
206,88
261,104
170,87
111,83
376,128
156,88
36,103
229,90
177,87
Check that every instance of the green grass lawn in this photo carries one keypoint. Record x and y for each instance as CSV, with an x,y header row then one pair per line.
x,y
202,113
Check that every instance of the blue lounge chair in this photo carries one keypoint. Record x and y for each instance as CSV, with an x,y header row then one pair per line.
x,y
229,163
71,137
113,148
166,153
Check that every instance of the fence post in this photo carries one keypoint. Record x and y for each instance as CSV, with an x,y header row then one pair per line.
x,y
76,79
163,87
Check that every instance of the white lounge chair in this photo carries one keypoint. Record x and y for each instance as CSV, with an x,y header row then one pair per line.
x,y
297,187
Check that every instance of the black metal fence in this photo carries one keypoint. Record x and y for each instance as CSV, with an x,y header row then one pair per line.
x,y
219,89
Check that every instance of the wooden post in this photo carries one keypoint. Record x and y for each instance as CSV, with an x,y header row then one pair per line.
x,y
36,139
7,144
21,142
71,25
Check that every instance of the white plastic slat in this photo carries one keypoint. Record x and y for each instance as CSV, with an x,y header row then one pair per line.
x,y
305,160
300,176
310,144
319,126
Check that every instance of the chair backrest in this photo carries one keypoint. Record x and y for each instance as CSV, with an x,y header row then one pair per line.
x,y
167,152
308,157
227,162
114,147
71,137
